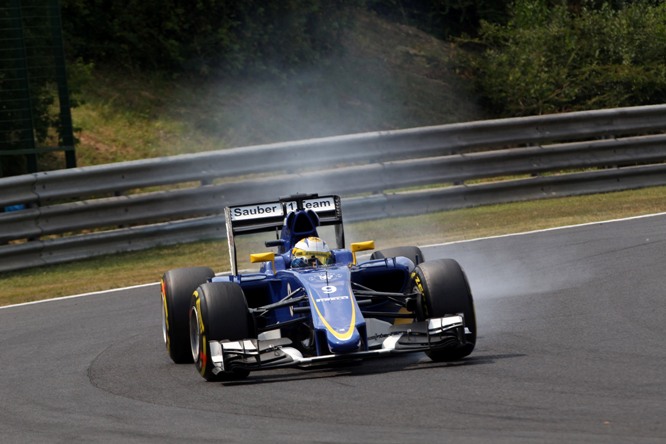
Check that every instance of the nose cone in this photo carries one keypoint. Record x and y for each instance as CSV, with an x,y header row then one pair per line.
x,y
347,345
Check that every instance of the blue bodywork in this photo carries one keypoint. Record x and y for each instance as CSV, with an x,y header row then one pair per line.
x,y
330,305
323,297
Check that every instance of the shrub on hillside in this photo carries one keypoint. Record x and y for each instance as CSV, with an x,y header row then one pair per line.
x,y
555,58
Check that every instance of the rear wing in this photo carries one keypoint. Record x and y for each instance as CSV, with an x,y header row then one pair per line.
x,y
271,216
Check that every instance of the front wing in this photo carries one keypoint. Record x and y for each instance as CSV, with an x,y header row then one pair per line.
x,y
254,354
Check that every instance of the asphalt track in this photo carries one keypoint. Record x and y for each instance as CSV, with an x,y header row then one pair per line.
x,y
570,349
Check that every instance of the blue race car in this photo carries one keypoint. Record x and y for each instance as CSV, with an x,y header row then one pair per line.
x,y
310,304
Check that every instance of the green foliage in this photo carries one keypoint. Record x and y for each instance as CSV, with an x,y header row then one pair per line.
x,y
554,58
202,36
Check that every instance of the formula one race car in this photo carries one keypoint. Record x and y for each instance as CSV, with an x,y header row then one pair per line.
x,y
309,304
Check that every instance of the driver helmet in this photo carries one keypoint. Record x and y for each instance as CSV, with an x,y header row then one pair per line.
x,y
310,251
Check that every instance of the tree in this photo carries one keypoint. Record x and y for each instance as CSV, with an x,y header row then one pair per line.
x,y
552,59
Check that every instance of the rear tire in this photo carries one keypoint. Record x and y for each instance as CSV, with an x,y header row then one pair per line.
x,y
445,291
412,253
177,288
218,311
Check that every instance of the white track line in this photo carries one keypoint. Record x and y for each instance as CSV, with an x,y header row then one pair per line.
x,y
94,293
545,230
645,216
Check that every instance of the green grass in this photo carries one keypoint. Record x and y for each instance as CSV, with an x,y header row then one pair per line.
x,y
147,266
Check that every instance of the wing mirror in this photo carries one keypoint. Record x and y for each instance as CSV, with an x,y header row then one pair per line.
x,y
361,246
264,257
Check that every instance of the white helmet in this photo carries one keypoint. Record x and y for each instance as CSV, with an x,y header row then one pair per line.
x,y
310,251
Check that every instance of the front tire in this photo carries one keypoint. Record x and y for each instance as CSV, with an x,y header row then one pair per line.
x,y
218,311
445,291
177,288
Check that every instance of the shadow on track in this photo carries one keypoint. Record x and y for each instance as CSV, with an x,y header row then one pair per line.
x,y
361,368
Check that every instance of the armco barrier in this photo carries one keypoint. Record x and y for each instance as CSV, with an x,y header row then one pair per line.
x,y
77,213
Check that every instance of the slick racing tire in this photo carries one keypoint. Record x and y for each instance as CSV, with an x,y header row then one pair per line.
x,y
445,291
412,253
218,311
177,288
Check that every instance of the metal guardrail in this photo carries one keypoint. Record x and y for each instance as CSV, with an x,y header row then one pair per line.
x,y
77,213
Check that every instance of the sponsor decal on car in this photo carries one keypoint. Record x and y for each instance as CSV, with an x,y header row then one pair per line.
x,y
324,277
332,299
275,209
256,211
316,205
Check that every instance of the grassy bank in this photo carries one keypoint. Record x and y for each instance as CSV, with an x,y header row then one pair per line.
x,y
386,76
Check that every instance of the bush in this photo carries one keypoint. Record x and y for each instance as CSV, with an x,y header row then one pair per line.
x,y
555,59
